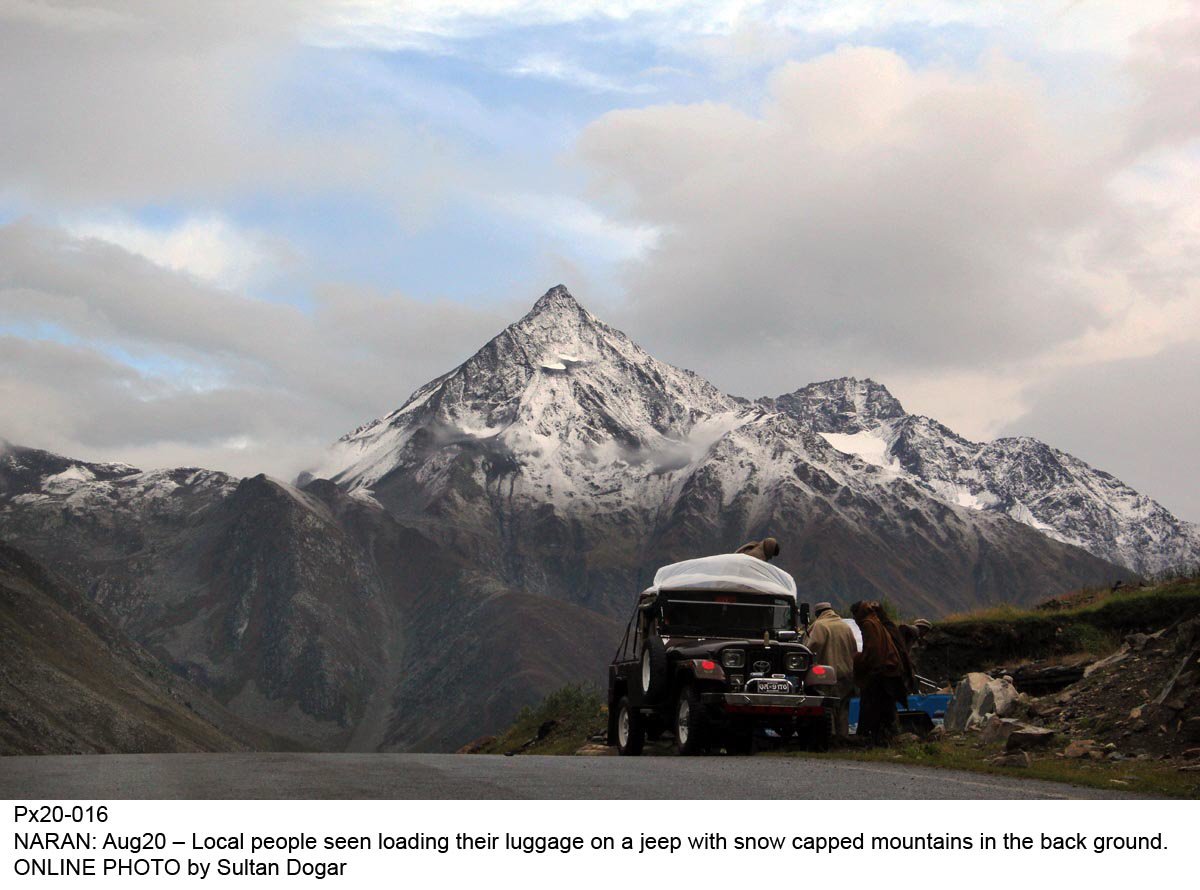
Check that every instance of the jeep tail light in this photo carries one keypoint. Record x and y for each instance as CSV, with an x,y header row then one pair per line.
x,y
708,665
821,675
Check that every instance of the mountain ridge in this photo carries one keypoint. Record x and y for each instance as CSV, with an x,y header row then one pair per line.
x,y
1021,476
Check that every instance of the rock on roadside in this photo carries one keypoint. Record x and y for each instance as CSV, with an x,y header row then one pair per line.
x,y
1025,738
968,697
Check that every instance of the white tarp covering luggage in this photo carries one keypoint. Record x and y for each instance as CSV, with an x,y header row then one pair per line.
x,y
734,572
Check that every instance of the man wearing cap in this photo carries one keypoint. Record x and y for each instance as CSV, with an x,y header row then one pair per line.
x,y
911,636
832,642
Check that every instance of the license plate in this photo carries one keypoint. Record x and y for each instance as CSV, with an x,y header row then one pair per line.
x,y
772,686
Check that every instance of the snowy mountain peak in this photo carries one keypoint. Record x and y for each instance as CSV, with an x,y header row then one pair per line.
x,y
557,300
552,391
844,405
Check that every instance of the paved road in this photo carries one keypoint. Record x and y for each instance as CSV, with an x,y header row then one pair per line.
x,y
450,776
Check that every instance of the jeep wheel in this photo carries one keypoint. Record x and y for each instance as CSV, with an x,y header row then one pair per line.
x,y
654,669
631,734
689,722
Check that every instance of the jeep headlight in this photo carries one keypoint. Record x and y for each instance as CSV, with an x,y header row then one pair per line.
x,y
733,658
796,661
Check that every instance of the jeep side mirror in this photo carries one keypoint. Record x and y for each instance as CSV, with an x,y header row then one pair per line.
x,y
805,614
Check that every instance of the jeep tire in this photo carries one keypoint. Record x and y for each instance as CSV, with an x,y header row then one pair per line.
x,y
631,732
690,735
654,669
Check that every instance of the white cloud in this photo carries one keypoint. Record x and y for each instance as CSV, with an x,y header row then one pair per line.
x,y
913,217
1069,25
577,225
551,66
244,380
210,247
177,103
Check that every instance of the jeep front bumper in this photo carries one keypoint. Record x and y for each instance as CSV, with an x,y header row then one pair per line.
x,y
768,703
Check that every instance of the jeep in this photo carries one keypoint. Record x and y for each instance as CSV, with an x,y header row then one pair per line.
x,y
712,655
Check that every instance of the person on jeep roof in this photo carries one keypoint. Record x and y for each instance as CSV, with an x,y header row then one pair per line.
x,y
766,549
832,642
879,673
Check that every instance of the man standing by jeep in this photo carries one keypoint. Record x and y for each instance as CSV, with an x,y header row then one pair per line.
x,y
832,642
879,673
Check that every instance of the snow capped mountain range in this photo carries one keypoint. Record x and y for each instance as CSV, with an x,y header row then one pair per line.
x,y
562,410
41,481
1031,482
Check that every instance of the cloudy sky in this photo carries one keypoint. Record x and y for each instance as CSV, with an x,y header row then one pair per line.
x,y
230,232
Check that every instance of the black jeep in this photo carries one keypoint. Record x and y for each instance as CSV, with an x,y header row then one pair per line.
x,y
713,667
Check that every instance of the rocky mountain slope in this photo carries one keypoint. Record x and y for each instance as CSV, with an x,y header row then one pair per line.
x,y
1031,482
70,682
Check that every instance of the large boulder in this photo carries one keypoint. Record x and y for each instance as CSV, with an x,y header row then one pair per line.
x,y
967,699
1000,697
997,729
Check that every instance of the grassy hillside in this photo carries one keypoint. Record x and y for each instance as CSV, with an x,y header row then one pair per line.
x,y
1089,621
560,724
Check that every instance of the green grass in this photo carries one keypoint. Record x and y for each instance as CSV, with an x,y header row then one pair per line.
x,y
1112,608
1002,635
578,713
1134,776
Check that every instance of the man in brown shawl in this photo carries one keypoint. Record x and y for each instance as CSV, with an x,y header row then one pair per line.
x,y
879,671
907,675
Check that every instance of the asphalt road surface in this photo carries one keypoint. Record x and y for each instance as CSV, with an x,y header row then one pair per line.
x,y
451,776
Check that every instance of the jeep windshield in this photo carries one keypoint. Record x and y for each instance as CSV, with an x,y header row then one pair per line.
x,y
689,613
